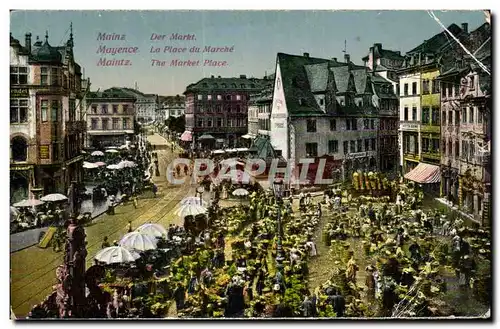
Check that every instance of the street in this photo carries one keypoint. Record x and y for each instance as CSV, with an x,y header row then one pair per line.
x,y
33,269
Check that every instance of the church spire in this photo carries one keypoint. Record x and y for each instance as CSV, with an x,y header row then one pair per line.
x,y
46,36
70,41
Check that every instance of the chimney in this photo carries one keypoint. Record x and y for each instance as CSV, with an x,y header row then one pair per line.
x,y
334,59
398,52
347,58
465,27
378,46
242,76
211,76
306,55
28,42
218,77
374,61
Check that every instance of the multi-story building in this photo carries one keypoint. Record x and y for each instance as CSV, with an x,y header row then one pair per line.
x,y
219,107
259,122
146,105
326,108
466,128
420,108
46,131
384,64
110,118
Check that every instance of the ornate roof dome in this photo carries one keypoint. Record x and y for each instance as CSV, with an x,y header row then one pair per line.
x,y
46,53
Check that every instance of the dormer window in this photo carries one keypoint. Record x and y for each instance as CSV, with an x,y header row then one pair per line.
x,y
224,85
321,101
233,85
243,86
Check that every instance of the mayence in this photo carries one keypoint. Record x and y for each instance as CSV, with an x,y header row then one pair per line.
x,y
253,167
116,50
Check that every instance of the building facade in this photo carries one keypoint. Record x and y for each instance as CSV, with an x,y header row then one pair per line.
x,y
466,144
146,105
46,127
170,106
327,109
219,107
420,112
110,118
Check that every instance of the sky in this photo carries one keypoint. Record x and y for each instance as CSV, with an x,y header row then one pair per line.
x,y
257,36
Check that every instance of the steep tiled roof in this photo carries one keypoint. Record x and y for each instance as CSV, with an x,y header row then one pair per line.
x,y
111,93
298,96
390,54
210,84
317,75
360,81
342,76
437,41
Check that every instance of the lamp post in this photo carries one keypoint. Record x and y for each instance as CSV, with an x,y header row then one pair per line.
x,y
278,196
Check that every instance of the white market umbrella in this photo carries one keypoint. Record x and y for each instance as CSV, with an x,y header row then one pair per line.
x,y
240,192
28,203
14,213
138,241
123,147
111,147
155,230
111,151
97,153
231,162
113,167
116,255
191,210
127,164
193,200
54,197
100,163
89,165
218,152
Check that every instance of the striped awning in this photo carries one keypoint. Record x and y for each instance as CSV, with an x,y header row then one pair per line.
x,y
424,174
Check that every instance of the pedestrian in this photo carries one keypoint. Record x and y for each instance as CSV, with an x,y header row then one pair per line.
x,y
136,203
105,243
155,190
129,226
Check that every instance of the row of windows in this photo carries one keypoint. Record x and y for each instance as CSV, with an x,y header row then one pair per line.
x,y
219,122
218,109
351,124
468,152
264,124
48,76
117,124
224,85
430,145
430,117
228,97
104,109
361,145
428,84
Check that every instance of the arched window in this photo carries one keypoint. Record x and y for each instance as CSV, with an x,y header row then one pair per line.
x,y
19,148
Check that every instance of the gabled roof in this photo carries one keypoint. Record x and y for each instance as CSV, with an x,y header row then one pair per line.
x,y
361,80
317,75
111,93
298,95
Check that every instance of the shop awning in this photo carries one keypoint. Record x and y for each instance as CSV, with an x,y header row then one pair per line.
x,y
424,174
248,136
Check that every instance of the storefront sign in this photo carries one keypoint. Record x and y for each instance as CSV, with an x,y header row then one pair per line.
x,y
409,126
19,93
279,125
279,115
44,152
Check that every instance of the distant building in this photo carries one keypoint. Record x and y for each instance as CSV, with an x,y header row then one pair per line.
x,y
110,118
170,106
46,127
146,105
219,107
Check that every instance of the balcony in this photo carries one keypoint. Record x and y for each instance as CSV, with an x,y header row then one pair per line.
x,y
483,158
75,126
